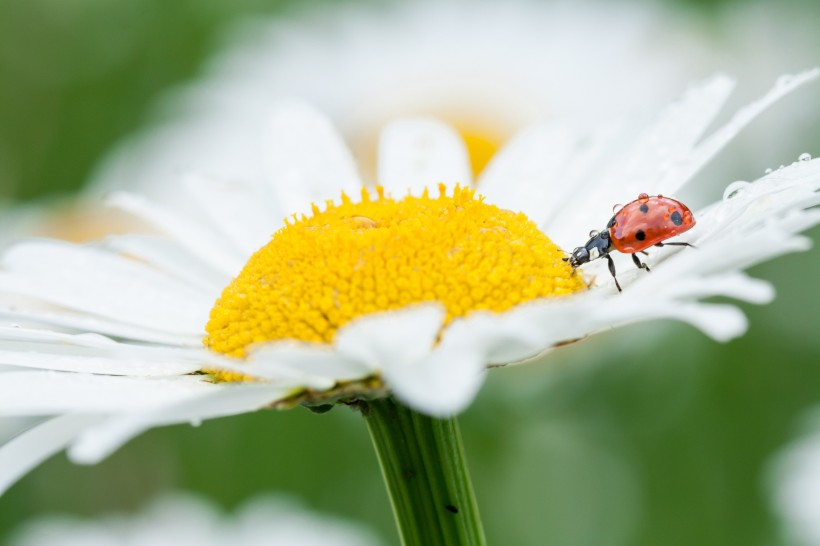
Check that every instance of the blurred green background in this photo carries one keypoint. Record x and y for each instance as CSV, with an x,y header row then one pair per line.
x,y
648,435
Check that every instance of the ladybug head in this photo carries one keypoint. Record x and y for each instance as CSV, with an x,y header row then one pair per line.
x,y
579,256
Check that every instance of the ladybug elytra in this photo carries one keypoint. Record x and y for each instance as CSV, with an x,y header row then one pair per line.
x,y
646,221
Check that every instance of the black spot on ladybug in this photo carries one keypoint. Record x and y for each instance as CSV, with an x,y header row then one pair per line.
x,y
644,208
640,235
451,508
677,219
611,223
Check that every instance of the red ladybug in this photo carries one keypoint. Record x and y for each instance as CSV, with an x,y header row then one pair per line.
x,y
646,221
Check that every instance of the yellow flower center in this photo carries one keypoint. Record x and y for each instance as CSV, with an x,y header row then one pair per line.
x,y
320,272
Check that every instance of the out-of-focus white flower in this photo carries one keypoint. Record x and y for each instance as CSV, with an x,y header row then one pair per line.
x,y
486,68
795,484
414,295
187,520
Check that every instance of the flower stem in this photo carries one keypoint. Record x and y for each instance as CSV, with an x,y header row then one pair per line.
x,y
423,465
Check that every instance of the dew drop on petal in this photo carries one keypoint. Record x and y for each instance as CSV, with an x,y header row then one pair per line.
x,y
195,422
768,171
804,157
780,167
616,208
734,188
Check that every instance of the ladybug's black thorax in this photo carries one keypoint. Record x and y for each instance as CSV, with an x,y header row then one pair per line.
x,y
598,245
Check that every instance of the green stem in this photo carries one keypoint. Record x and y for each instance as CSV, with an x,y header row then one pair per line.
x,y
423,465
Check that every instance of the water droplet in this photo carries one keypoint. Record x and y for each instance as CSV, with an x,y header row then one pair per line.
x,y
594,233
360,222
616,208
780,167
734,188
768,171
643,198
196,422
804,157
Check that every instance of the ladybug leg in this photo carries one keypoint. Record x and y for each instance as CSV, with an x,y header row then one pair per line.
x,y
639,264
644,253
676,244
612,271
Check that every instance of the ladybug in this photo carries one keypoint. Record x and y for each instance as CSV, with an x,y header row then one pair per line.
x,y
646,221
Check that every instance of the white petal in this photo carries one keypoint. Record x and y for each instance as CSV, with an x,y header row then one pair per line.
x,y
34,446
306,159
733,251
107,327
234,209
36,357
96,443
92,353
543,170
718,321
695,160
315,366
590,315
381,340
445,381
531,328
771,205
171,257
49,393
671,138
88,279
734,285
202,240
420,153
19,334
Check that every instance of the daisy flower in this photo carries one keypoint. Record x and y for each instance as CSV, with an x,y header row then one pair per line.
x,y
180,520
412,289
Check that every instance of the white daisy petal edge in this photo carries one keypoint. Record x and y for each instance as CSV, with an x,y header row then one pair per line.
x,y
420,153
97,442
301,175
28,450
113,330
